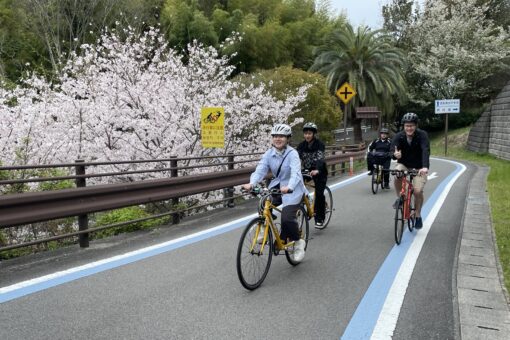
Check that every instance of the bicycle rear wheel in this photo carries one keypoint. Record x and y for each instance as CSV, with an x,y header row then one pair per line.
x,y
304,231
253,258
328,206
412,214
399,222
375,185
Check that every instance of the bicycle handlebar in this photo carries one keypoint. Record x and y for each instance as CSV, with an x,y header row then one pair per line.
x,y
306,175
394,172
259,190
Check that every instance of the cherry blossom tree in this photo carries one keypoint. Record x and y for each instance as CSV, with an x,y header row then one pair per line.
x,y
135,98
456,47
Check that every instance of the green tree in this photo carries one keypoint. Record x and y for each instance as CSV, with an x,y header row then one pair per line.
x,y
184,22
319,107
274,32
398,19
370,62
40,34
456,52
19,48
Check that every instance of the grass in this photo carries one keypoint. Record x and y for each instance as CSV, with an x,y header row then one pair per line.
x,y
498,186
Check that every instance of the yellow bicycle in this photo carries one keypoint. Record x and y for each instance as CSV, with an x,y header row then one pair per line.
x,y
257,247
309,203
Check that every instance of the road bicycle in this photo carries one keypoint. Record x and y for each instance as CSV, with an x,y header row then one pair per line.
x,y
377,178
405,208
261,240
309,202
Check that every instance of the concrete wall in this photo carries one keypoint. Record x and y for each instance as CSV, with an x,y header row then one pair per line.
x,y
491,133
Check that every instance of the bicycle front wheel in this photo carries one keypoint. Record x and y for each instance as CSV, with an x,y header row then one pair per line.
x,y
399,222
375,184
254,258
328,196
304,231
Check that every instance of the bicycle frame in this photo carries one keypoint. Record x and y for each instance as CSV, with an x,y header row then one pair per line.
x,y
379,168
310,206
269,223
405,193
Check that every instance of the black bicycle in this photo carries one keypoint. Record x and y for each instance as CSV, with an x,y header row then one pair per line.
x,y
377,178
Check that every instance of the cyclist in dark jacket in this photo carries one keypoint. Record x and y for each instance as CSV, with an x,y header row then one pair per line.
x,y
411,149
312,152
379,153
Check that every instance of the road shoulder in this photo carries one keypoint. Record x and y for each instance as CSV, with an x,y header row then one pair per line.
x,y
482,304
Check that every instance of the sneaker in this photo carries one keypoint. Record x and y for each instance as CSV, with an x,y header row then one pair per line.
x,y
396,204
319,223
418,224
370,173
386,186
299,250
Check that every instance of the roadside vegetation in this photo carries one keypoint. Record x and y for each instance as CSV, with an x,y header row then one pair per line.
x,y
498,186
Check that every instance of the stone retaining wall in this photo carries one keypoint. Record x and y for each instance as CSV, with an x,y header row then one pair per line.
x,y
491,133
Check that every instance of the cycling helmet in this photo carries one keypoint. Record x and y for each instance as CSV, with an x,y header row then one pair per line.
x,y
310,127
281,129
410,118
384,130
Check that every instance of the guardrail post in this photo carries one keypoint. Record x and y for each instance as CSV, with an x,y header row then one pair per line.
x,y
343,163
175,201
229,192
83,220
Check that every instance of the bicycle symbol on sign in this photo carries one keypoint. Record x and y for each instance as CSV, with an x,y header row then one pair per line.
x,y
212,117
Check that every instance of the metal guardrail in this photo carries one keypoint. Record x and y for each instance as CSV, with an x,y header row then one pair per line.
x,y
26,208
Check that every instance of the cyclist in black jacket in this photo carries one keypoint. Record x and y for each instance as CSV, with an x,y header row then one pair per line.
x,y
379,153
312,152
411,149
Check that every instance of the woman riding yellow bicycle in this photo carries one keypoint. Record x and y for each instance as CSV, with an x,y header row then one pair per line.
x,y
284,163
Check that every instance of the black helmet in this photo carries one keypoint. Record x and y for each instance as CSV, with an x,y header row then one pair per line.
x,y
310,127
410,118
384,130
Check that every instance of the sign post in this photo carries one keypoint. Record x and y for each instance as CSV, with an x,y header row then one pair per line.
x,y
446,106
212,124
346,93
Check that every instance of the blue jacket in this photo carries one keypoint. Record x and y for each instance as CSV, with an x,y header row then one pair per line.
x,y
290,173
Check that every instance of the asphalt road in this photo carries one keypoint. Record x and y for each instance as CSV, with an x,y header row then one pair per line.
x,y
193,292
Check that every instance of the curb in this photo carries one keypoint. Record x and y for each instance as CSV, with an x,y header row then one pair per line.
x,y
482,304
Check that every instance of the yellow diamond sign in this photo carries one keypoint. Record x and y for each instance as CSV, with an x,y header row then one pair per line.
x,y
345,93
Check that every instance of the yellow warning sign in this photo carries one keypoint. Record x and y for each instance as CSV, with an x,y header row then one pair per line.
x,y
345,93
212,125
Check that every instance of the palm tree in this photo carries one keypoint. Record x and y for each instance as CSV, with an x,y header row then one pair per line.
x,y
369,62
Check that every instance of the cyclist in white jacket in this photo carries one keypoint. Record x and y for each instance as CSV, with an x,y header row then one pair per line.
x,y
284,163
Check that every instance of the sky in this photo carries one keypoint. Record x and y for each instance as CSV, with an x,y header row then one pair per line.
x,y
367,12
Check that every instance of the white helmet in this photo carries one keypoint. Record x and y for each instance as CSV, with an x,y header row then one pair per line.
x,y
281,129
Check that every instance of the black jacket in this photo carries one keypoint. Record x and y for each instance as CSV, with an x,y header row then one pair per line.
x,y
415,155
381,147
312,154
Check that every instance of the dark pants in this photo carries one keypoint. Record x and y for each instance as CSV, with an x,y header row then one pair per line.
x,y
385,162
320,200
290,228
